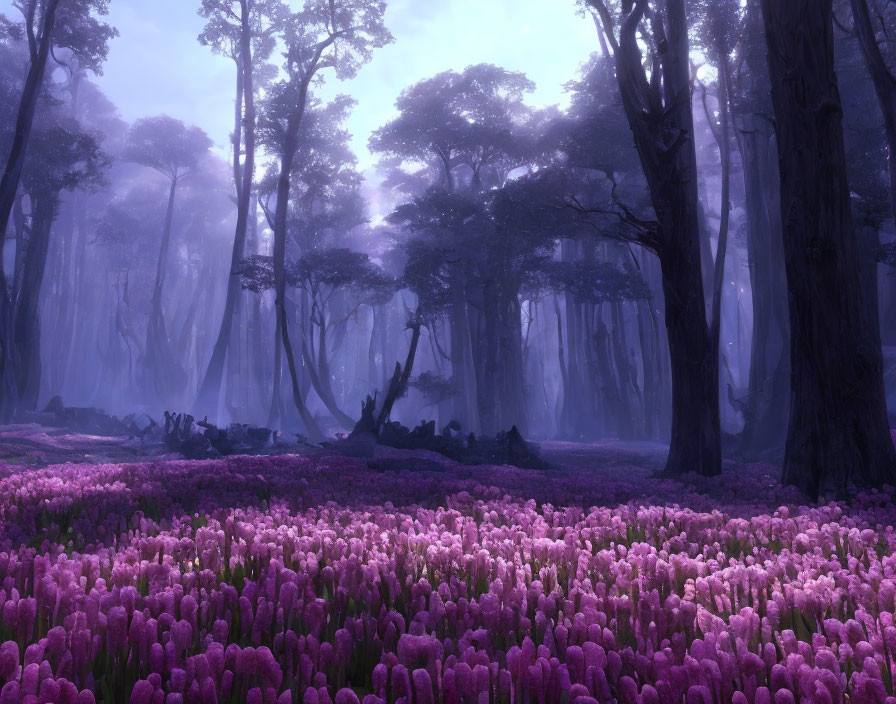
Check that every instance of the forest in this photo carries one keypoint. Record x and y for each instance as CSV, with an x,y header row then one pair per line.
x,y
344,362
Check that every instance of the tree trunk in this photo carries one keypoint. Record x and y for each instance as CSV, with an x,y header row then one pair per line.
x,y
27,317
274,414
838,434
723,140
15,162
283,187
165,372
513,371
766,407
9,186
400,378
659,114
320,377
210,388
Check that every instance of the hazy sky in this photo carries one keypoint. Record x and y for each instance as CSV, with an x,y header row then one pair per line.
x,y
157,66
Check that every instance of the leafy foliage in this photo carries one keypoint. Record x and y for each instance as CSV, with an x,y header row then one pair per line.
x,y
166,144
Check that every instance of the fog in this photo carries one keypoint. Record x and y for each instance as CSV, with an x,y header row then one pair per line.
x,y
266,212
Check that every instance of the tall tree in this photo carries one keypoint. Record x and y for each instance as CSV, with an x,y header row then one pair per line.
x,y
327,205
718,26
48,25
243,30
838,433
325,34
656,93
63,157
766,405
174,150
466,126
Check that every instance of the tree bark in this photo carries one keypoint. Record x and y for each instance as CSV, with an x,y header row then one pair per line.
x,y
659,114
838,434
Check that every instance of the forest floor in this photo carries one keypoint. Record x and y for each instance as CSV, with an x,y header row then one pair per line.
x,y
619,471
130,574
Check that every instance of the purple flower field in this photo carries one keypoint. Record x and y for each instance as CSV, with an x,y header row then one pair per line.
x,y
317,580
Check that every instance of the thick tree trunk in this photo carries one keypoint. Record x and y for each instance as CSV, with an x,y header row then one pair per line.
x,y
838,434
210,388
9,186
695,433
27,318
695,438
659,114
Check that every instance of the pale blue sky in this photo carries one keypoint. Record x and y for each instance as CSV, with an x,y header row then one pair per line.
x,y
157,66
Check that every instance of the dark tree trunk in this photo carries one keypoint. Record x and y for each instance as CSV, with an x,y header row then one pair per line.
x,y
659,114
15,162
838,434
210,388
27,318
9,186
399,383
722,136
